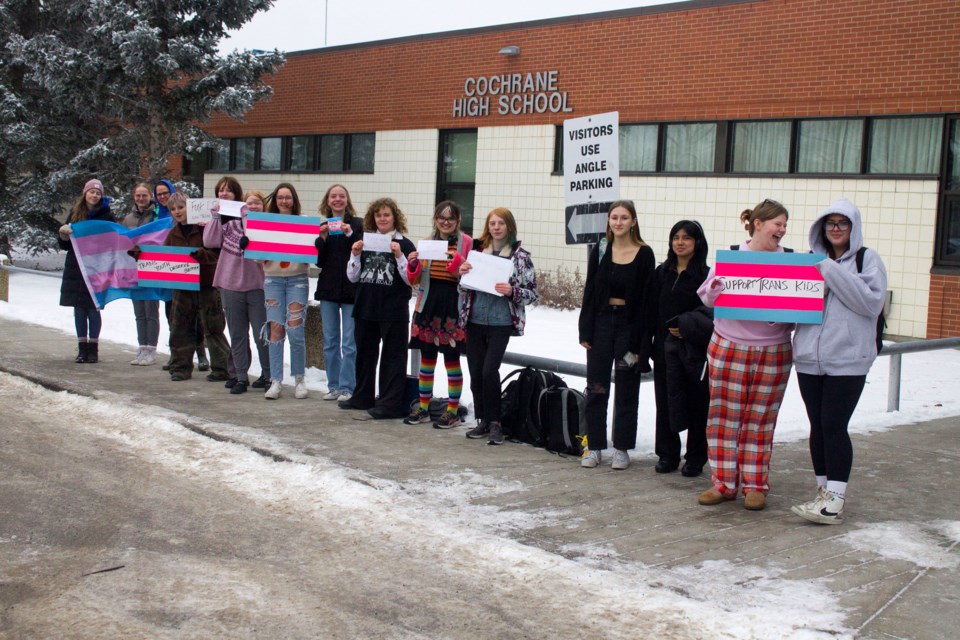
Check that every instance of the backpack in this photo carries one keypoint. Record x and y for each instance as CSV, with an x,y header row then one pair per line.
x,y
519,400
881,320
562,415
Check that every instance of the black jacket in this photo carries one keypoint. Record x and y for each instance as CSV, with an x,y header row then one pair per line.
x,y
641,301
332,257
73,290
676,296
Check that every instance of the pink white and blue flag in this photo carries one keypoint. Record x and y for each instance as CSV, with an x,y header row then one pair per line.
x,y
770,287
169,268
108,270
281,237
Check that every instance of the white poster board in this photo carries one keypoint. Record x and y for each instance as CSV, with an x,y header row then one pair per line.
x,y
377,242
486,271
432,250
198,209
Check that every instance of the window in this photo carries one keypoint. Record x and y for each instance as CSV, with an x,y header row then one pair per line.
x,y
761,147
905,145
638,147
948,226
829,146
331,154
244,154
270,155
457,172
302,153
690,147
220,156
362,148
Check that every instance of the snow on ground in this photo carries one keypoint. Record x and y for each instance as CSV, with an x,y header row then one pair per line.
x,y
926,382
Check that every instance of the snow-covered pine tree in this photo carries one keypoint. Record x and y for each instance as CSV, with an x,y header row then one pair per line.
x,y
111,88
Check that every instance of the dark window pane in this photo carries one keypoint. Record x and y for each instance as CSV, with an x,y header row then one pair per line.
x,y
464,198
951,243
690,147
460,160
362,147
220,157
761,147
638,147
301,153
905,145
331,154
270,154
829,146
245,153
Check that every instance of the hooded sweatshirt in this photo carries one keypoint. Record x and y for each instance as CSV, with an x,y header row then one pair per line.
x,y
844,345
162,211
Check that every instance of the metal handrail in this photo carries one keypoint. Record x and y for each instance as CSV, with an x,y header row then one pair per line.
x,y
34,272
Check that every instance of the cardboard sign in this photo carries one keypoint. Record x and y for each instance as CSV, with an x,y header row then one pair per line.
x,y
168,268
770,286
282,237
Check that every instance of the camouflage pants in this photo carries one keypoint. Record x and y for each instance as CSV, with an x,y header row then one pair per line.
x,y
187,307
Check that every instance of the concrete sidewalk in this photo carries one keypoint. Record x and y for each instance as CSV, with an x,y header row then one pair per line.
x,y
906,475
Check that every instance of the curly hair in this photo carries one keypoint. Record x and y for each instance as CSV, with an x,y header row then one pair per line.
x,y
399,220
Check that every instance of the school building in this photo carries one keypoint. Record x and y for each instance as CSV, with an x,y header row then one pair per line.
x,y
722,103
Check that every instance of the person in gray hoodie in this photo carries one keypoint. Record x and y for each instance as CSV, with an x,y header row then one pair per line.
x,y
832,359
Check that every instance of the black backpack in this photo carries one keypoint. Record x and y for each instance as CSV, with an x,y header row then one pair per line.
x,y
519,400
881,321
562,415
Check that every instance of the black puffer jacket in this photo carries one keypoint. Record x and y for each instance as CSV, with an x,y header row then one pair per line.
x,y
73,290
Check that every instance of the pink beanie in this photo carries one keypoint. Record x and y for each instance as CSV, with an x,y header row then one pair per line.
x,y
92,184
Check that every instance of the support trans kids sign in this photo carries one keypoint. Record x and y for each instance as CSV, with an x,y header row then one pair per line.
x,y
771,287
591,174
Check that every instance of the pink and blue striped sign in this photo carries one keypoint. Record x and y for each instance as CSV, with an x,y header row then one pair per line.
x,y
281,237
168,268
770,287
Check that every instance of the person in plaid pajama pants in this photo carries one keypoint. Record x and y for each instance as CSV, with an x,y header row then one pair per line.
x,y
749,365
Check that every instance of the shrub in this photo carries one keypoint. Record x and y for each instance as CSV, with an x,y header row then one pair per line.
x,y
560,289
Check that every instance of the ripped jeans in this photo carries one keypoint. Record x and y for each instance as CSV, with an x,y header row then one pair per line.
x,y
285,298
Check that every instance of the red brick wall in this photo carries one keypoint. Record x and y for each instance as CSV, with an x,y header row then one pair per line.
x,y
771,58
943,315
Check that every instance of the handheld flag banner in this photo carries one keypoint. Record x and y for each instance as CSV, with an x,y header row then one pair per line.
x,y
770,287
169,268
281,237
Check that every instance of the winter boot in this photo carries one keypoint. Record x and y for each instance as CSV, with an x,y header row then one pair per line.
x,y
202,363
81,353
93,355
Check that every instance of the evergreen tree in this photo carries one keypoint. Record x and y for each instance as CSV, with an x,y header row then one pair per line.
x,y
111,88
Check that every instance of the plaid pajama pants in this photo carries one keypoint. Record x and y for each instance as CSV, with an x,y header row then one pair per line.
x,y
746,388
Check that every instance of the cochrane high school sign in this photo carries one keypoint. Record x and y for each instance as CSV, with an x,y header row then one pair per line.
x,y
511,94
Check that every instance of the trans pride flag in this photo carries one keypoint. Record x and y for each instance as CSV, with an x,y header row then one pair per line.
x,y
769,286
281,237
169,268
101,248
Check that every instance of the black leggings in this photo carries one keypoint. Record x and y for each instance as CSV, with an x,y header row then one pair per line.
x,y
830,401
486,345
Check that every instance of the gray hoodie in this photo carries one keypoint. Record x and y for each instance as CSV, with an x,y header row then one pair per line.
x,y
845,344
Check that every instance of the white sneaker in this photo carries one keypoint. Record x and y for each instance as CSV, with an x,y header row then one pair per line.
x,y
343,397
148,358
138,358
333,394
621,460
274,391
300,392
826,509
590,459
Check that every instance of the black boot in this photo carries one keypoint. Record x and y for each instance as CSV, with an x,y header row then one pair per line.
x,y
202,363
81,353
92,352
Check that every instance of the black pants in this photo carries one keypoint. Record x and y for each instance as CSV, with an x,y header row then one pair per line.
x,y
393,365
830,401
485,348
610,342
667,438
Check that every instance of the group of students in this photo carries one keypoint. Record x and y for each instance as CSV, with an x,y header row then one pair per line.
x,y
720,380
364,302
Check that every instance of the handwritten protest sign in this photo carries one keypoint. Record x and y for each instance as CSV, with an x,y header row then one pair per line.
x,y
168,268
280,237
486,271
377,242
199,209
771,287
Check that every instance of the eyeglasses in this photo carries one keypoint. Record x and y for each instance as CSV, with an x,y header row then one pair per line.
x,y
842,225
447,219
284,197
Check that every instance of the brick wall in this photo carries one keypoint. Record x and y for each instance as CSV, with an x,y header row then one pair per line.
x,y
771,58
943,319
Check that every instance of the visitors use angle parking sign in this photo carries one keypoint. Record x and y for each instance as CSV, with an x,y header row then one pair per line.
x,y
591,174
